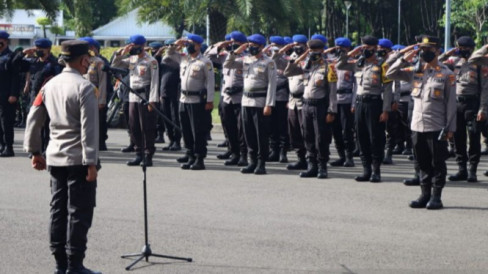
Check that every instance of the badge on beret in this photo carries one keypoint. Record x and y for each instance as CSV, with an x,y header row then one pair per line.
x,y
425,40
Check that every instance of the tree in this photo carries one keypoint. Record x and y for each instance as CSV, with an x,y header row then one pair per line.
x,y
43,22
470,16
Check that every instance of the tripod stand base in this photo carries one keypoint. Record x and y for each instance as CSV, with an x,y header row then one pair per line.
x,y
146,253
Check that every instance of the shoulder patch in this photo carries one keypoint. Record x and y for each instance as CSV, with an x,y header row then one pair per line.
x,y
331,74
384,69
154,64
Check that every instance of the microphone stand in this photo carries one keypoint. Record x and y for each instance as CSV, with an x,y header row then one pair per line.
x,y
146,251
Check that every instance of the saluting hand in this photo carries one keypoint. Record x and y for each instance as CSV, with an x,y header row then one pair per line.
x,y
286,48
241,49
409,48
355,51
409,56
127,49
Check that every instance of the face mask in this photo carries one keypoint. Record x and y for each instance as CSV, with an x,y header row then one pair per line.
x,y
191,48
368,53
235,46
427,56
299,50
2,44
465,53
381,53
228,48
254,50
289,52
135,51
40,53
315,56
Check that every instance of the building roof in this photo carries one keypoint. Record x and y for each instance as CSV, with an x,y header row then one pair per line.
x,y
127,25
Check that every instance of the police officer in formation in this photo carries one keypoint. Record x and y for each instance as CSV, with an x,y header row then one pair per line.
x,y
154,48
471,80
373,102
197,94
144,76
232,92
259,96
71,156
433,118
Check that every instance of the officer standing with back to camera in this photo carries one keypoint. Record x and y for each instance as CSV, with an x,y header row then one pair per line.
x,y
259,73
144,75
319,106
154,48
197,94
433,118
9,94
232,92
472,95
71,156
371,110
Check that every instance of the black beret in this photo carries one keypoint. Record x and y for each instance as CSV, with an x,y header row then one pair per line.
x,y
316,44
369,40
430,41
465,41
73,48
418,38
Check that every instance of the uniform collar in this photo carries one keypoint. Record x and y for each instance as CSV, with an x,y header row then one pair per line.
x,y
71,70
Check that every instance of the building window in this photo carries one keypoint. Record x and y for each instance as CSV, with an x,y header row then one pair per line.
x,y
115,44
25,42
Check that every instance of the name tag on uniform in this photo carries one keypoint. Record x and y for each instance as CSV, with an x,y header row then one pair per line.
x,y
195,68
141,70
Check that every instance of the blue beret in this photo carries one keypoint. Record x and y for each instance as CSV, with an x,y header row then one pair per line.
x,y
385,43
238,36
398,47
97,44
300,38
257,39
203,48
288,40
4,34
169,42
319,37
91,41
227,37
155,45
137,39
277,40
195,38
43,43
343,42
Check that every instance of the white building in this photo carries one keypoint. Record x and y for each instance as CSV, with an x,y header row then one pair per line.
x,y
115,33
23,28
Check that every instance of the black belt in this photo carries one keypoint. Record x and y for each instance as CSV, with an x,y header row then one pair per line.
x,y
314,102
405,93
233,90
142,90
368,98
191,93
344,91
282,86
255,94
467,98
297,95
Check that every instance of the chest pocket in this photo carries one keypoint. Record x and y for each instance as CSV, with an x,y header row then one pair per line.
x,y
142,69
319,78
196,71
436,88
371,78
417,85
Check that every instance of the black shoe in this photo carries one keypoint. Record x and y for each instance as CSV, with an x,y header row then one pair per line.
x,y
2,148
407,151
224,156
472,178
312,169
260,168
411,157
397,150
102,147
412,182
356,153
160,139
183,159
137,161
388,160
435,200
338,162
452,153
322,172
424,198
461,175
127,149
8,152
175,147
250,168
189,163
223,144
485,151
283,158
242,161
485,173
349,162
149,162
301,164
198,165
365,176
375,178
168,147
82,270
59,270
232,161
274,156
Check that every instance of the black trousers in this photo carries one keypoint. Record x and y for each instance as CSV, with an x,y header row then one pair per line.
x,y
279,138
142,121
125,110
467,127
256,132
316,132
393,129
103,128
7,121
194,124
72,204
343,129
170,107
234,128
295,126
370,131
404,133
431,155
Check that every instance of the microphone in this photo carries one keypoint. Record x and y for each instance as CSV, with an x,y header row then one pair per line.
x,y
108,68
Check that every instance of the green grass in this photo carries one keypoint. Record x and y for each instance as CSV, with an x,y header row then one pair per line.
x,y
215,111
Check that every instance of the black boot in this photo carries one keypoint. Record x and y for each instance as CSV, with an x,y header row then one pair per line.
x,y
224,156
160,138
274,156
129,148
415,181
176,146
149,161
75,266
189,163
407,151
242,160
61,262
260,168
183,159
435,200
461,175
223,144
485,151
299,165
2,148
198,165
8,152
341,160
398,149
136,161
376,176
283,158
388,157
312,169
424,198
366,173
322,172
349,160
472,178
232,161
251,167
168,147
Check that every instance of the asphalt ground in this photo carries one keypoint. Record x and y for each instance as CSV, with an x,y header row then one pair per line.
x,y
234,223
